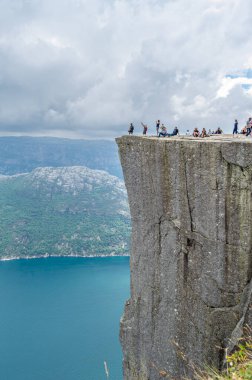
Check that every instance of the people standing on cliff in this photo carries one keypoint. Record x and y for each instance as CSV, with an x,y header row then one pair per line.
x,y
131,129
145,128
235,130
157,126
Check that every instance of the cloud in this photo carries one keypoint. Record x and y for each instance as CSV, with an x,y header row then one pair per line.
x,y
228,83
80,68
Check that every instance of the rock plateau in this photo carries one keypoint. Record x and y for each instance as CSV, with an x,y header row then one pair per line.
x,y
191,257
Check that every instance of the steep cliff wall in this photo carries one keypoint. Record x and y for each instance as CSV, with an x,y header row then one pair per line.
x,y
191,259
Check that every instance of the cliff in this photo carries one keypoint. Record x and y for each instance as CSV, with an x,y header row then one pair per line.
x,y
191,258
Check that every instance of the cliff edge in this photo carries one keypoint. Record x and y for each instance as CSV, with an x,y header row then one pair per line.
x,y
191,259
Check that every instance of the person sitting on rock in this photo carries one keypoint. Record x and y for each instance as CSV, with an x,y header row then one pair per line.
x,y
145,128
218,131
131,129
244,130
204,133
175,132
163,132
196,132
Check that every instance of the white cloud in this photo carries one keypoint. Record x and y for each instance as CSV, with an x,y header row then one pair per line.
x,y
88,68
229,83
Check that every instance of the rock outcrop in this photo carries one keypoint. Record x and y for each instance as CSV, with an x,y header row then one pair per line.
x,y
191,259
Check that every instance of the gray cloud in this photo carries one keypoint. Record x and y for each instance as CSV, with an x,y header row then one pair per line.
x,y
77,68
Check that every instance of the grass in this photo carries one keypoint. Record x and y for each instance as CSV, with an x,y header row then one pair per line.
x,y
238,363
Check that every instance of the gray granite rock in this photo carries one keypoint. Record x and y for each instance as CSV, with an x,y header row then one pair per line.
x,y
191,259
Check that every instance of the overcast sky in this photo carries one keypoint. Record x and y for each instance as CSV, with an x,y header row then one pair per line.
x,y
87,68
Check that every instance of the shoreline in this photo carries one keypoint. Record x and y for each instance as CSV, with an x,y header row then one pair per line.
x,y
59,256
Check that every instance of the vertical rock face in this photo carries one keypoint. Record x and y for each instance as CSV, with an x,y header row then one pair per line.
x,y
191,259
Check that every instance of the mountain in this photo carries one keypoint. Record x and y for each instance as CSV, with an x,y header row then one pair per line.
x,y
23,154
63,211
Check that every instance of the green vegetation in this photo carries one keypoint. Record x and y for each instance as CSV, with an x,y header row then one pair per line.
x,y
239,363
63,211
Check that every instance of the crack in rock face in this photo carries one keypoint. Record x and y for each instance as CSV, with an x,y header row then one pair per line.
x,y
191,258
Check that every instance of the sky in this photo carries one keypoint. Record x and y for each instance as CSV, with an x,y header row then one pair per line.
x,y
87,68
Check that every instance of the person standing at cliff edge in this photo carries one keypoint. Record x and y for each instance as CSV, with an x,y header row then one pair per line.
x,y
157,126
145,128
131,129
249,126
235,130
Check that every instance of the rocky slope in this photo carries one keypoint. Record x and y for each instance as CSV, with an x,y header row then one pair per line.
x,y
63,211
191,258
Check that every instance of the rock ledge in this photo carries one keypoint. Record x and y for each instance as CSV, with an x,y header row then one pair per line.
x,y
191,259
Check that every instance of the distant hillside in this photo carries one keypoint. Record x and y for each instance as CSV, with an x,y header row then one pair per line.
x,y
23,154
63,211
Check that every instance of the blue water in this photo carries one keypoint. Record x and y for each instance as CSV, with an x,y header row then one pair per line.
x,y
59,318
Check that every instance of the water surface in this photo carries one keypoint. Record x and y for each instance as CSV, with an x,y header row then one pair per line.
x,y
59,318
